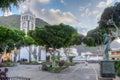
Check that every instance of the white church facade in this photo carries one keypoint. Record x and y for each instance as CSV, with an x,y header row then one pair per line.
x,y
27,21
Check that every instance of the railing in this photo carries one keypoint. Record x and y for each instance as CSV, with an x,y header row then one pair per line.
x,y
14,78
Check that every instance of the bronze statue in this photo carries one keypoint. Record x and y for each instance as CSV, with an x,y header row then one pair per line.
x,y
107,40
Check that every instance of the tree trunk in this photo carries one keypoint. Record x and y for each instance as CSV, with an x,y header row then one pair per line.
x,y
39,54
15,57
35,53
19,55
30,49
65,52
5,51
0,57
46,53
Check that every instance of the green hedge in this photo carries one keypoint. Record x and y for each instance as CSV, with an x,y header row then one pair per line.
x,y
117,67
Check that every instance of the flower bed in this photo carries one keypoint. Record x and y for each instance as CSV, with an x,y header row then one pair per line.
x,y
47,66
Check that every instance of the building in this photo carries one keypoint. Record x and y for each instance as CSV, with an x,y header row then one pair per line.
x,y
27,21
94,56
115,50
115,55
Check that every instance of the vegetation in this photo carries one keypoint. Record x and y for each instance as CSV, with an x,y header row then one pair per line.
x,y
31,63
112,12
9,38
7,64
117,67
54,37
47,66
7,4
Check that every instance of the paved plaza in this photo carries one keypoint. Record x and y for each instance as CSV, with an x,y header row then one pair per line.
x,y
77,72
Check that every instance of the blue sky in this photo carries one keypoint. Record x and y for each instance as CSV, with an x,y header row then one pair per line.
x,y
82,14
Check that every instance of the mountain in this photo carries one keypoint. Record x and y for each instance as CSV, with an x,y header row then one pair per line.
x,y
13,21
84,48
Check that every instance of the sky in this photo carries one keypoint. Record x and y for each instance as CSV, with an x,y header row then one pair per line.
x,y
81,14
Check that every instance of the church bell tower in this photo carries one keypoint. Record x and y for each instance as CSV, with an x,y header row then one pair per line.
x,y
27,21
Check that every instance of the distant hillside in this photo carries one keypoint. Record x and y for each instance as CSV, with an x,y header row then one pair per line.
x,y
83,48
14,21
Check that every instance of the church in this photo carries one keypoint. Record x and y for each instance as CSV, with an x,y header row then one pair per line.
x,y
27,21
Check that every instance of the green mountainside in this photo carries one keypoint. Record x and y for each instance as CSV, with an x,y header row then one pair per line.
x,y
13,21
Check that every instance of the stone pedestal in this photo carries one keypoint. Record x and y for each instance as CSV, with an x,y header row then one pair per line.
x,y
102,78
107,70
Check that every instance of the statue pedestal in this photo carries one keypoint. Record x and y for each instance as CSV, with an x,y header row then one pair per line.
x,y
102,78
107,70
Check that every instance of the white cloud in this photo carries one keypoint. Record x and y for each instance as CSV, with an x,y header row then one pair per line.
x,y
82,15
95,12
104,3
86,12
43,10
52,16
7,12
23,8
99,16
89,4
101,4
118,0
63,2
82,8
56,17
44,1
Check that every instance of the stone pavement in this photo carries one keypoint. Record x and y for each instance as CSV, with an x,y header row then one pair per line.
x,y
77,72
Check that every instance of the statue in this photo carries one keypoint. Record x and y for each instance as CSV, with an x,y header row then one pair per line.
x,y
107,40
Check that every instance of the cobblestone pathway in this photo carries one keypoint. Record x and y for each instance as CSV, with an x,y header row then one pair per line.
x,y
78,72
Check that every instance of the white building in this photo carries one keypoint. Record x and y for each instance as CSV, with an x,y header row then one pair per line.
x,y
27,21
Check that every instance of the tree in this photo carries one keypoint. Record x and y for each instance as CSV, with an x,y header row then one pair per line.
x,y
54,36
112,12
18,40
7,4
77,39
9,37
